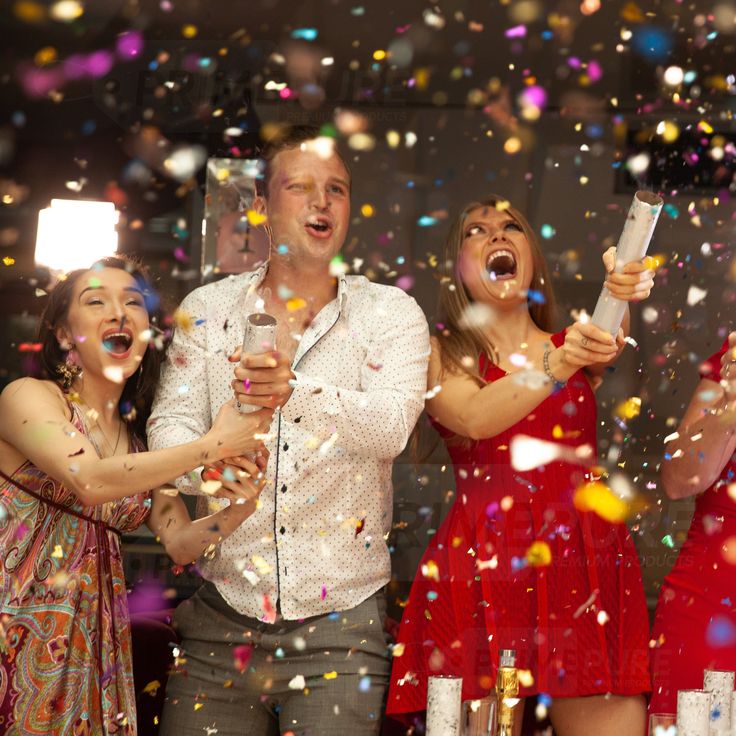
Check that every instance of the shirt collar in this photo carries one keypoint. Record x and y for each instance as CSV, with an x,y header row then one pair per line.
x,y
257,276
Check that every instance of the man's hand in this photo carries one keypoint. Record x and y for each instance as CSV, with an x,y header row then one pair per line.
x,y
241,477
263,379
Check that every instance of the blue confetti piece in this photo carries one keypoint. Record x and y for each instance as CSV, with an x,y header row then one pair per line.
x,y
426,221
305,34
720,632
365,684
536,297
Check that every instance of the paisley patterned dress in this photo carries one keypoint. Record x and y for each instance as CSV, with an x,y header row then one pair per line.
x,y
65,649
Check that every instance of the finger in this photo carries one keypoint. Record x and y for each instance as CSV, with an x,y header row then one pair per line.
x,y
592,332
235,357
637,266
630,278
260,360
584,356
609,259
261,375
258,389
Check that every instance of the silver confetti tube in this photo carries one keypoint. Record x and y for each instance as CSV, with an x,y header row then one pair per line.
x,y
693,713
720,684
632,245
259,337
444,706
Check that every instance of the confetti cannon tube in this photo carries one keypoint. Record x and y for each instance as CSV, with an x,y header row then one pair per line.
x,y
259,337
632,245
693,713
444,706
720,684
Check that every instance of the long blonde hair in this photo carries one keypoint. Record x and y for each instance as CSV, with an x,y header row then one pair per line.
x,y
459,341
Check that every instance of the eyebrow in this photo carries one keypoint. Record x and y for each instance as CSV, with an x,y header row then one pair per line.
x,y
334,179
132,289
503,222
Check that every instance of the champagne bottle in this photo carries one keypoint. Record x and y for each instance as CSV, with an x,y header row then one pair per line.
x,y
507,691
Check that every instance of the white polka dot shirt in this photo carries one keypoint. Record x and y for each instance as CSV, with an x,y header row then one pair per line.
x,y
318,542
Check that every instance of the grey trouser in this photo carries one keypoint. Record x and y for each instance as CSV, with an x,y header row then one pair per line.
x,y
342,658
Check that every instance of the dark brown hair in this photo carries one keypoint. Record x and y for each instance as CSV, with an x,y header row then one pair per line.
x,y
137,397
459,342
285,138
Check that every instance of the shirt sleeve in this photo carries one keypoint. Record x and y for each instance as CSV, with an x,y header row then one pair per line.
x,y
181,408
377,420
711,368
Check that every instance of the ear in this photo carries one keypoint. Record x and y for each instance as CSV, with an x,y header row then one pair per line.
x,y
63,338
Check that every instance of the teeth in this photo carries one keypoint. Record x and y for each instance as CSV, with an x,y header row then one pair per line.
x,y
500,253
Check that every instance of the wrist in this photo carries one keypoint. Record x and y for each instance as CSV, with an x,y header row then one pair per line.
x,y
209,450
559,368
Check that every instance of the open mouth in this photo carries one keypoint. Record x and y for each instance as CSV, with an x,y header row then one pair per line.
x,y
117,343
319,226
501,265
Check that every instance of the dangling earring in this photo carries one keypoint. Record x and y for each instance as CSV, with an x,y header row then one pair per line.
x,y
70,369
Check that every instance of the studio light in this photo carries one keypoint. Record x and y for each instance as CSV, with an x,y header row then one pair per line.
x,y
74,233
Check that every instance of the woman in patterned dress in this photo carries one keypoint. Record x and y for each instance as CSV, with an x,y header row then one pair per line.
x,y
516,564
73,478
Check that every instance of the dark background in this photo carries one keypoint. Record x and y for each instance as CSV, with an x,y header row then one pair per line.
x,y
451,82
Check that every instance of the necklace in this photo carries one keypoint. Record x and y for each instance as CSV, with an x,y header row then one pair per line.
x,y
93,414
107,442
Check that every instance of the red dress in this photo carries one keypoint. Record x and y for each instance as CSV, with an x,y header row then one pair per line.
x,y
474,594
695,623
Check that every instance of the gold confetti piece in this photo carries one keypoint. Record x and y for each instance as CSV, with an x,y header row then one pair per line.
x,y
8,261
367,210
183,320
295,304
197,706
152,687
628,409
44,56
58,552
330,675
398,650
526,678
256,218
189,31
597,497
430,570
29,12
539,554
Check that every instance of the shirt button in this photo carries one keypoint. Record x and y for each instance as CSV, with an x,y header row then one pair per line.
x,y
282,530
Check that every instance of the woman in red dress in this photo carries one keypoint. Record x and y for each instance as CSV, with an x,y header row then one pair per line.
x,y
516,565
695,623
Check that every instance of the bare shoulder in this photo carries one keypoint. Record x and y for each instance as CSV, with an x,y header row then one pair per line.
x,y
25,392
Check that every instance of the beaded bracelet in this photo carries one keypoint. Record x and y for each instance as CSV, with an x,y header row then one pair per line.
x,y
548,372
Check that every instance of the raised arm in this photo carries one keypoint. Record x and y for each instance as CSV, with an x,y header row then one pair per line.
x,y
479,412
182,411
36,422
704,442
185,540
633,284
374,421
